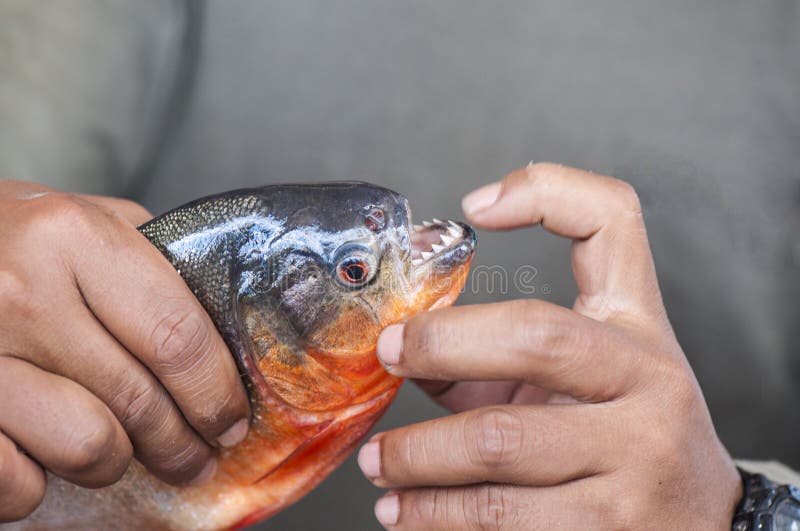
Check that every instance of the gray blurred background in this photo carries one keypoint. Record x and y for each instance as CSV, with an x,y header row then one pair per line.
x,y
696,103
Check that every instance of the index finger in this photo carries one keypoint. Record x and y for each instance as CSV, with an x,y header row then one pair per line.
x,y
611,257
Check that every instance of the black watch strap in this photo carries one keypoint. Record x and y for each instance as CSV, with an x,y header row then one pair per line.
x,y
766,506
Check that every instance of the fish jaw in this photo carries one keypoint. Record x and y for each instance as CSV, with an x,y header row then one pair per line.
x,y
441,255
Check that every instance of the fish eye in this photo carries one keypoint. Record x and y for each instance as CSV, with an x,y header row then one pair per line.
x,y
353,271
375,219
354,265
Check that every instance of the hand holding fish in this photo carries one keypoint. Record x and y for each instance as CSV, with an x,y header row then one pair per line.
x,y
582,418
93,368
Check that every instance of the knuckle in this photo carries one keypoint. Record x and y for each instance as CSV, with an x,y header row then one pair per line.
x,y
524,313
627,195
169,449
180,466
5,468
13,287
538,169
611,511
424,337
497,435
615,509
135,208
57,209
543,328
490,510
182,350
398,455
56,217
526,317
416,505
91,451
662,434
138,406
675,386
427,506
16,296
685,392
179,340
123,212
627,513
667,451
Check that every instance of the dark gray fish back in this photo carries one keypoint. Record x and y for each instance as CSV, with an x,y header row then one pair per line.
x,y
206,263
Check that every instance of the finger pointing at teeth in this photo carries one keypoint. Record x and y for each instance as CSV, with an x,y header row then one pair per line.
x,y
610,256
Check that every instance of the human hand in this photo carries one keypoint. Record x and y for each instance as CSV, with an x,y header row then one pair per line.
x,y
588,418
104,352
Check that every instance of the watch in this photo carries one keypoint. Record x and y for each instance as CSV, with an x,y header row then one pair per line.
x,y
766,506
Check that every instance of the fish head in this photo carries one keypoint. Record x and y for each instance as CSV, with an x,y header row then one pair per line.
x,y
341,261
350,262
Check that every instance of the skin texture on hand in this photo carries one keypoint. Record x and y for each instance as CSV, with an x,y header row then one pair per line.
x,y
582,418
105,354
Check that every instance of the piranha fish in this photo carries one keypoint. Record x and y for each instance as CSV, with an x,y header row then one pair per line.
x,y
300,280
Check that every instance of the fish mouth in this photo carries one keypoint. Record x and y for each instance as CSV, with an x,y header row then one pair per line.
x,y
442,245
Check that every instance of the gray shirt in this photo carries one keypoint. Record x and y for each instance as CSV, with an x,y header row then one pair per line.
x,y
697,104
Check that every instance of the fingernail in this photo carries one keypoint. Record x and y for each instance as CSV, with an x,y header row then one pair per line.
x,y
234,435
369,459
481,199
206,474
387,509
390,344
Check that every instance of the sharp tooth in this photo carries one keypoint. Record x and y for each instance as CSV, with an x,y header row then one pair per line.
x,y
426,255
456,233
437,248
447,239
438,221
454,224
418,227
417,261
427,223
